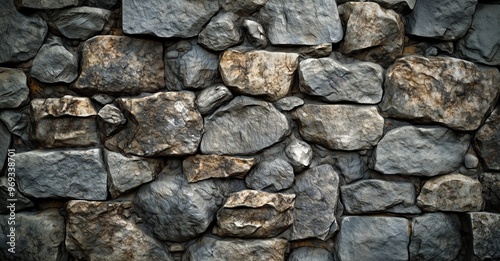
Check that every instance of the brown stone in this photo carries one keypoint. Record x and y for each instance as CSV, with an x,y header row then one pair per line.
x,y
201,167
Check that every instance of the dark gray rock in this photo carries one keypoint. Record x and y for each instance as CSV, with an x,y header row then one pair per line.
x,y
182,18
209,99
103,99
271,176
487,141
485,235
289,103
491,191
78,174
21,201
46,4
80,23
434,151
110,119
17,122
299,153
401,6
107,4
348,164
5,141
13,88
242,7
310,253
222,32
54,63
292,22
255,33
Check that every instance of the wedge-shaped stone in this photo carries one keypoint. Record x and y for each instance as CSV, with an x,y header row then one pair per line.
x,y
200,167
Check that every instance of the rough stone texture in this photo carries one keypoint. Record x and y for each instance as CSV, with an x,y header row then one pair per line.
x,y
78,174
22,35
161,124
182,18
491,191
5,142
292,22
299,154
81,23
54,63
334,82
93,228
190,66
209,99
64,122
255,214
354,128
39,236
485,228
373,238
211,249
358,198
46,4
201,167
450,91
372,33
244,126
127,173
434,150
435,236
21,201
110,119
121,65
259,73
13,88
242,7
271,176
255,33
222,32
454,192
17,122
400,6
487,141
310,253
348,164
289,103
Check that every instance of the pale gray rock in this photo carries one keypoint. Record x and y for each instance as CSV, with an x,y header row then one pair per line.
x,y
333,81
255,33
491,191
299,153
271,176
289,103
201,167
5,141
103,99
13,88
373,238
310,253
182,18
487,141
54,63
242,127
46,4
292,22
242,7
471,161
400,6
485,235
110,119
209,99
222,32
21,201
80,23
348,164
434,150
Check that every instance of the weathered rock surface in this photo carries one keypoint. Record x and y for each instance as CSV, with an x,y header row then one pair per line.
x,y
21,201
454,192
485,235
201,167
46,4
334,82
259,73
255,33
348,164
289,103
54,63
121,65
17,122
434,151
161,124
271,176
310,253
78,174
110,118
487,141
244,126
167,19
299,153
491,191
435,236
222,32
13,88
450,91
211,98
373,238
4,144
81,23
292,22
93,228
372,33
242,7
401,6
354,128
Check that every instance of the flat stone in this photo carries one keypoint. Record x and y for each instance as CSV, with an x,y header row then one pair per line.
x,y
485,235
255,32
13,88
259,73
400,6
54,63
434,151
271,176
110,119
94,228
242,7
292,22
46,4
103,99
487,141
454,92
21,201
222,32
201,167
453,192
333,81
491,191
211,98
355,127
81,23
348,164
310,253
289,103
120,65
244,126
161,124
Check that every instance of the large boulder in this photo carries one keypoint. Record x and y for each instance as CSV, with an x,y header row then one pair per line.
x,y
487,141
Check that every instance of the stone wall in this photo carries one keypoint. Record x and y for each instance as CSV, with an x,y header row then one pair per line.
x,y
249,130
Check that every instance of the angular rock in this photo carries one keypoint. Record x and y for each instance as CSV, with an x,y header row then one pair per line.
x,y
310,253
254,214
259,73
292,22
17,122
64,122
435,236
373,238
372,33
94,228
316,51
80,23
201,167
110,119
13,88
161,124
354,128
255,33
450,91
103,99
487,141
491,191
242,7
211,98
54,63
289,103
400,6
434,151
121,65
46,4
21,201
348,164
271,176
182,18
222,32
485,228
299,153
244,126
5,142
334,82
454,192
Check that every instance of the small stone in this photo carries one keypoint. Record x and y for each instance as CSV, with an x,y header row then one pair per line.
x,y
46,4
13,88
491,191
222,32
103,99
299,153
271,176
487,141
316,51
209,99
310,253
110,119
485,235
289,103
242,7
81,23
201,167
471,161
21,201
255,33
54,63
348,164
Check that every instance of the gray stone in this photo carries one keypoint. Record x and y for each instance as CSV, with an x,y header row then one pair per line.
x,y
244,126
222,32
108,4
17,122
372,238
81,23
435,236
355,127
54,63
38,236
46,4
255,33
485,235
209,99
348,164
316,51
334,82
487,141
471,161
182,18
110,119
94,228
289,103
454,92
5,141
21,201
453,192
292,22
299,153
103,99
201,167
310,253
121,65
434,150
401,6
190,66
491,191
78,174
161,124
242,7
13,88
271,176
